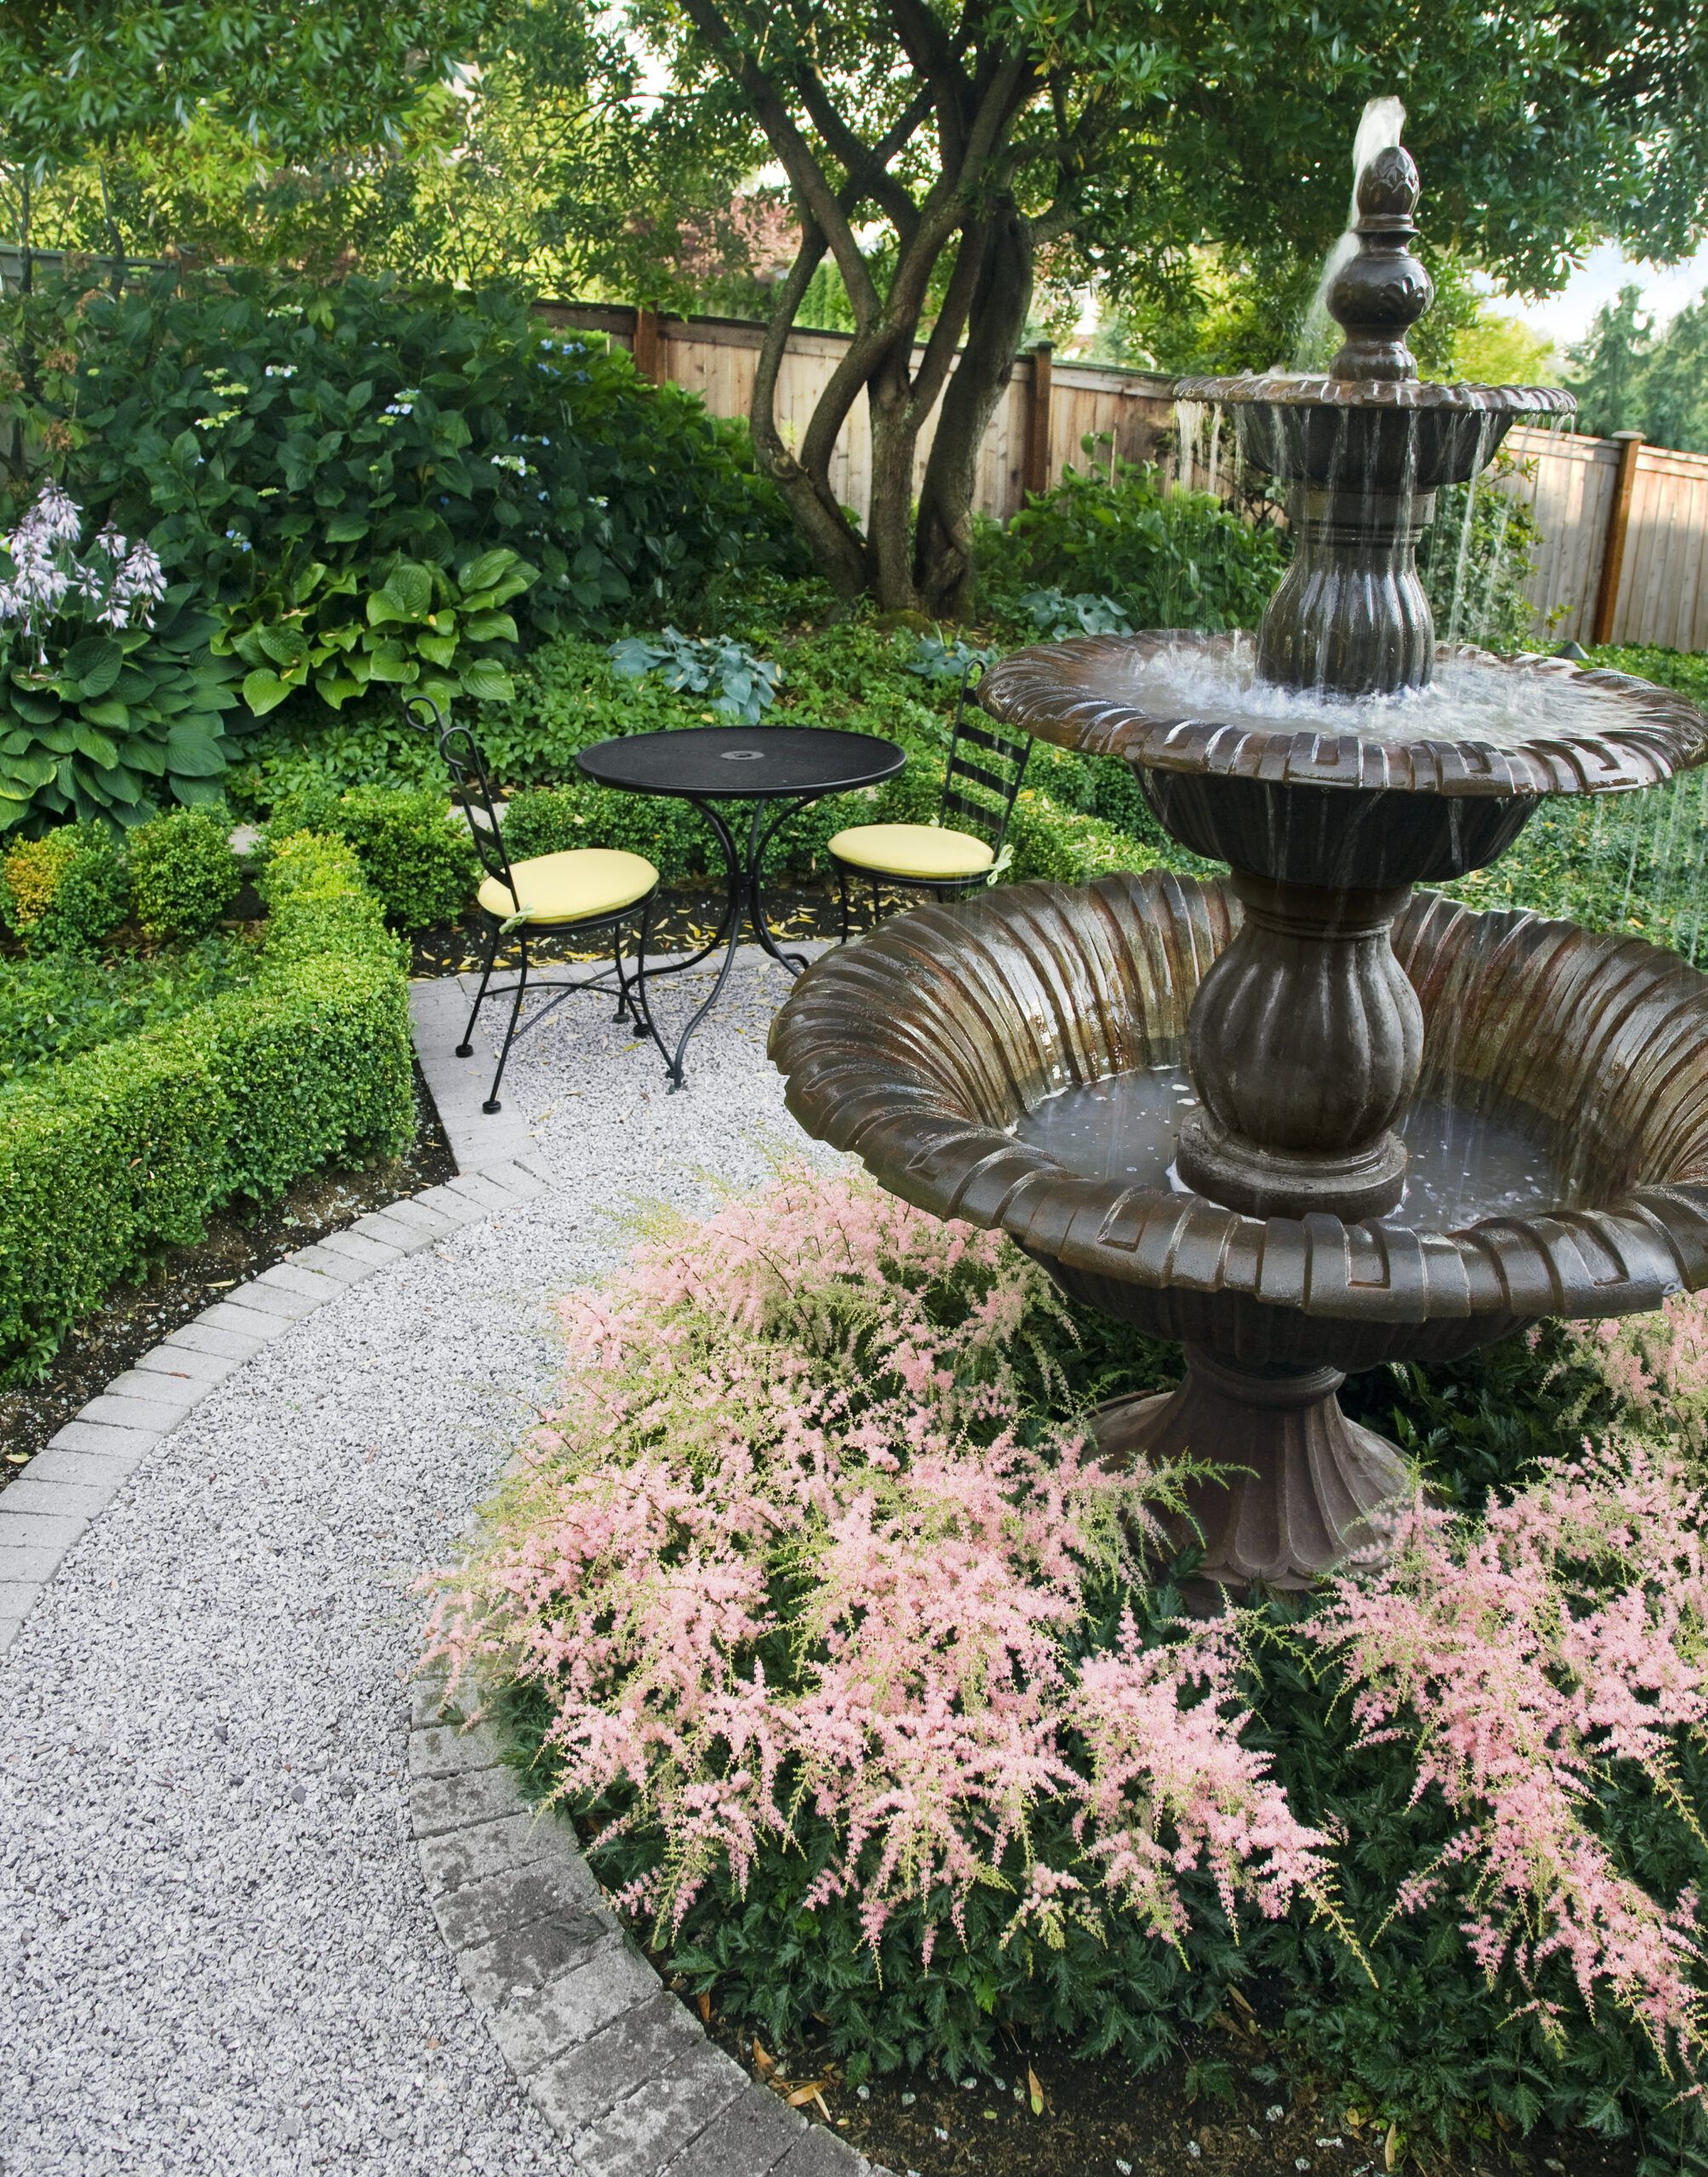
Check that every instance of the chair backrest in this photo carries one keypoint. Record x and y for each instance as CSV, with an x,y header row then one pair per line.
x,y
468,770
979,756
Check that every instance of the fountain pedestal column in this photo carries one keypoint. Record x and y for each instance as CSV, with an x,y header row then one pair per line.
x,y
1305,1041
1303,1486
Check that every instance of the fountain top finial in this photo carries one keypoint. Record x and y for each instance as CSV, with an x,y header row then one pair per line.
x,y
1381,292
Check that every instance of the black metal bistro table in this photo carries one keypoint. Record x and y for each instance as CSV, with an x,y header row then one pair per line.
x,y
780,770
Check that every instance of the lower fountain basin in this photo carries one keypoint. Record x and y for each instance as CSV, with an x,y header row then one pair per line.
x,y
932,1048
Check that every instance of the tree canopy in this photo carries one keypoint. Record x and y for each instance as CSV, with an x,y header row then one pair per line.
x,y
1630,376
305,77
945,154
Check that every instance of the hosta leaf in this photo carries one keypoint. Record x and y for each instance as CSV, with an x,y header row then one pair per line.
x,y
94,663
96,746
487,680
286,646
490,568
407,595
194,755
116,715
346,528
489,628
264,691
438,649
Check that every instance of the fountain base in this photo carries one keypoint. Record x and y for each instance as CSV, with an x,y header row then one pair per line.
x,y
1302,1488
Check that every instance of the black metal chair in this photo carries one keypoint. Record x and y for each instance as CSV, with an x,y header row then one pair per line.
x,y
942,859
586,888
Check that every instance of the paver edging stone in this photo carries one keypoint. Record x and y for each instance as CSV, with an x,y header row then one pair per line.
x,y
621,2070
86,1463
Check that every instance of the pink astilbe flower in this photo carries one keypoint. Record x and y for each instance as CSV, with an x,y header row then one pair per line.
x,y
1657,1364
794,1544
1527,1660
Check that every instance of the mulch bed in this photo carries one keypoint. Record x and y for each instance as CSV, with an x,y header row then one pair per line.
x,y
239,1246
1099,2120
684,919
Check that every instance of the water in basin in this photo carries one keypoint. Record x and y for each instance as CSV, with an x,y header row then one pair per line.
x,y
1464,1165
1467,701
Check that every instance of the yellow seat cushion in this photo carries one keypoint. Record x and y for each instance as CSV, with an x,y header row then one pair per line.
x,y
922,850
572,886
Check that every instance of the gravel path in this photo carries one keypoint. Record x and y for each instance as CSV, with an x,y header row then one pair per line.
x,y
215,1955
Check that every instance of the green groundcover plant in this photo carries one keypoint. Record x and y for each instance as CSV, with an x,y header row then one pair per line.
x,y
872,1696
295,1052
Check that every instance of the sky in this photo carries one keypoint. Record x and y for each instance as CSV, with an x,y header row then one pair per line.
x,y
1566,316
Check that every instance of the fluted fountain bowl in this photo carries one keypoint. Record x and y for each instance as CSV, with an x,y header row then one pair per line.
x,y
1017,1062
1369,435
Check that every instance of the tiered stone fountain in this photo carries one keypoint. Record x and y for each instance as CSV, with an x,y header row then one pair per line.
x,y
1300,1119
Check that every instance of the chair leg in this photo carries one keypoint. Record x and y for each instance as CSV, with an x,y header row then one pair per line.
x,y
848,904
623,1001
491,1103
876,904
466,1047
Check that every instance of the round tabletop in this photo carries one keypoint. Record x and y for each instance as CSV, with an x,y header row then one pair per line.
x,y
733,763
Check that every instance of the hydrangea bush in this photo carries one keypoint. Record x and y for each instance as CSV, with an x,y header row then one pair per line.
x,y
872,1698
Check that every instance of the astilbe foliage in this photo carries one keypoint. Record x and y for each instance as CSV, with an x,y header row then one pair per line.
x,y
1564,1639
797,1558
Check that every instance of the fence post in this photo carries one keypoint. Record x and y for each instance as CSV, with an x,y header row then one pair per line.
x,y
1035,476
646,357
1629,445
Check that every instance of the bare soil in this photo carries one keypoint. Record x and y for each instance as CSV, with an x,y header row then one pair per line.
x,y
1097,2119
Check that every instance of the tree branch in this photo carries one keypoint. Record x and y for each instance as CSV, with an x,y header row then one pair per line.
x,y
811,185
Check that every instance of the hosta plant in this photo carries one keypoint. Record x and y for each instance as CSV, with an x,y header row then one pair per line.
x,y
110,703
423,629
738,685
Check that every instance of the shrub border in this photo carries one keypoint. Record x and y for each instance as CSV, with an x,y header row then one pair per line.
x,y
108,1153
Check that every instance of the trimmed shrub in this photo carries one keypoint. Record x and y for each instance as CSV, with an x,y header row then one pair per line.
x,y
108,1156
183,872
552,820
65,891
53,1006
415,850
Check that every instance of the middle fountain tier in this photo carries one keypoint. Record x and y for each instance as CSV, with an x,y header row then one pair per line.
x,y
1299,1118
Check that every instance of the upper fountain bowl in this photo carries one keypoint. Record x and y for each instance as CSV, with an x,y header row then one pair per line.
x,y
1486,726
1365,436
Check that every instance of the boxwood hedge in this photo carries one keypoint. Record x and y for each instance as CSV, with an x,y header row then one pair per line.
x,y
107,1156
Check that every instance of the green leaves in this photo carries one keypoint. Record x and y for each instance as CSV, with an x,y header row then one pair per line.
x,y
407,595
419,626
120,726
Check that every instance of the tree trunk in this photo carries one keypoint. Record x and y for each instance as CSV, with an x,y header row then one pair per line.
x,y
943,542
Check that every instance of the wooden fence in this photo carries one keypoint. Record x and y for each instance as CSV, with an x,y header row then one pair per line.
x,y
1037,428
1624,526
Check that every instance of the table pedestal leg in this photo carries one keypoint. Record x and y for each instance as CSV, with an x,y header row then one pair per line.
x,y
743,901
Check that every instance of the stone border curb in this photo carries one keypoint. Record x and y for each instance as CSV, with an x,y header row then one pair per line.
x,y
622,2071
